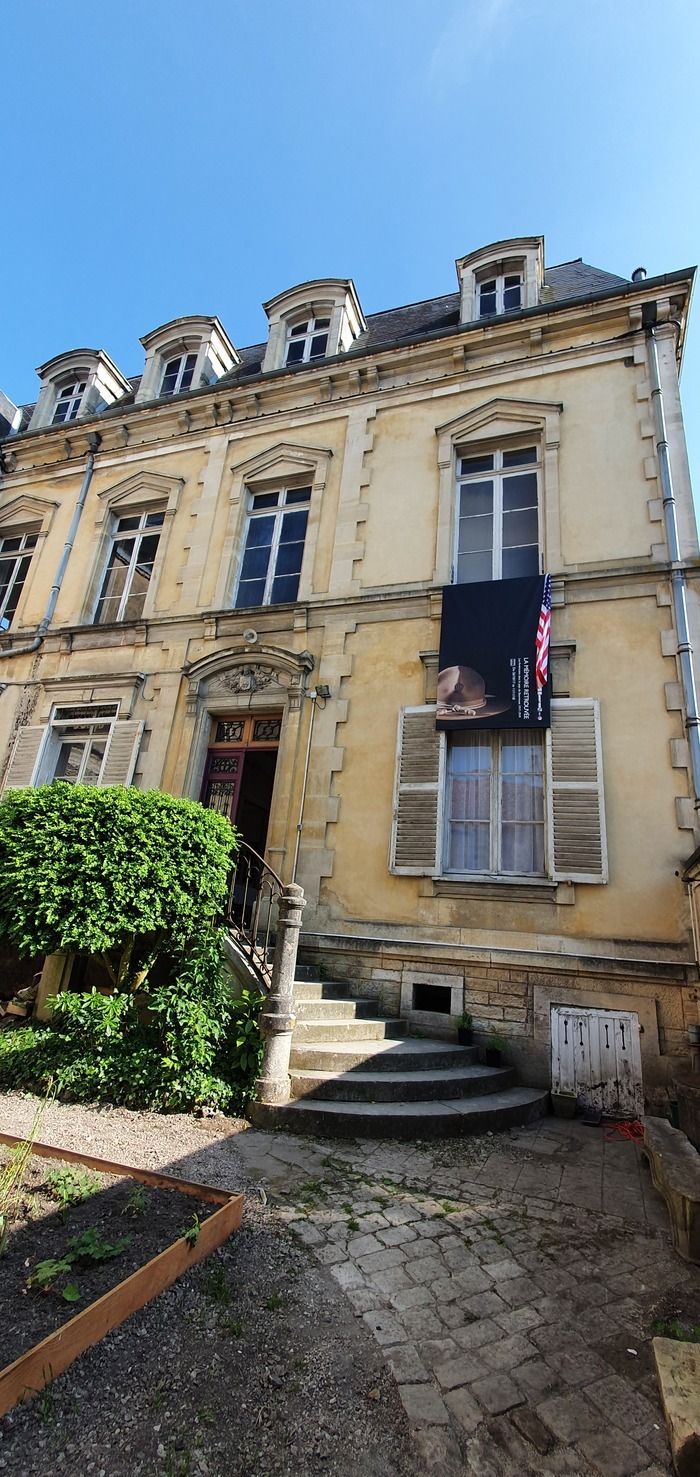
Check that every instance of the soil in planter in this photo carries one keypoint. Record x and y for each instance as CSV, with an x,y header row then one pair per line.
x,y
116,1216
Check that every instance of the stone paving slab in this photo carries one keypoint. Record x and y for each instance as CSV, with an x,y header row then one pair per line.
x,y
512,1282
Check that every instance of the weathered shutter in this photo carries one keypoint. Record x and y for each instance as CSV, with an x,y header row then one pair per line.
x,y
24,757
119,762
416,830
575,802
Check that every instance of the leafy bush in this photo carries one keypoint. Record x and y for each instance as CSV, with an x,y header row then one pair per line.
x,y
188,1043
120,874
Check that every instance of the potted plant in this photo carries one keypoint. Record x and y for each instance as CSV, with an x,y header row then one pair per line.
x,y
464,1029
493,1046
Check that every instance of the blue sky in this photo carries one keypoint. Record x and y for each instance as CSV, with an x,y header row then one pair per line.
x,y
163,157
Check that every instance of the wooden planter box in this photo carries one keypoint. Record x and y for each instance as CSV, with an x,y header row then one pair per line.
x,y
39,1365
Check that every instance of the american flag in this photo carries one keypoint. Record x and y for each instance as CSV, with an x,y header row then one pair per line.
x,y
543,629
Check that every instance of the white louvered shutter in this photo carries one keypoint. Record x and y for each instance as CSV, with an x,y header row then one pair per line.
x,y
575,801
24,758
418,794
119,762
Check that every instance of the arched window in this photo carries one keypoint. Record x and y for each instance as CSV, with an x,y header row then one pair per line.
x,y
70,398
307,340
178,374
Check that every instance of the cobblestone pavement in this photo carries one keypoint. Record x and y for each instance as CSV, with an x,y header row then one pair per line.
x,y
512,1281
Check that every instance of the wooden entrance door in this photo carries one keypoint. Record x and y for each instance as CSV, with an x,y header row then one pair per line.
x,y
239,773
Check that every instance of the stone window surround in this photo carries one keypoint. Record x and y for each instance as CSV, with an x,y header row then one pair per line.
x,y
334,297
144,492
26,514
498,423
285,464
522,253
205,337
104,384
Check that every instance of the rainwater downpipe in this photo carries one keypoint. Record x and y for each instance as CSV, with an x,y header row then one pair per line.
x,y
45,621
322,692
678,589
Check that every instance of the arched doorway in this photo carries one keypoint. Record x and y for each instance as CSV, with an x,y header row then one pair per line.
x,y
239,772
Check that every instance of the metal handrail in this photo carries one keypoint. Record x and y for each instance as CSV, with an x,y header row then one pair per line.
x,y
253,891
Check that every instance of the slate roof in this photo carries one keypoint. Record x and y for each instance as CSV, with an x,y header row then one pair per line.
x,y
411,323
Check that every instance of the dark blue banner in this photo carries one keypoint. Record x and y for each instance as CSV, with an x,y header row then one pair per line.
x,y
494,655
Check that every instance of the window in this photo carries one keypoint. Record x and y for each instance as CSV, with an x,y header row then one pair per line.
x,y
495,803
69,401
274,547
80,737
307,340
15,559
496,535
500,293
178,374
129,569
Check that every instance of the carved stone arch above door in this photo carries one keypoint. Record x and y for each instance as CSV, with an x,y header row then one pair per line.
x,y
259,675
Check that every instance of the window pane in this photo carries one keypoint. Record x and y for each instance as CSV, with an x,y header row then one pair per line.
x,y
475,497
255,562
294,526
475,534
154,520
318,346
511,297
295,352
250,592
487,304
60,413
10,545
93,765
265,500
322,322
186,380
519,528
474,567
521,457
69,761
284,588
470,464
125,524
520,491
289,558
300,495
147,549
488,285
519,562
300,328
522,850
260,532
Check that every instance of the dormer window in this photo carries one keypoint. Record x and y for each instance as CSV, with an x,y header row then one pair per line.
x,y
69,401
500,292
307,340
178,374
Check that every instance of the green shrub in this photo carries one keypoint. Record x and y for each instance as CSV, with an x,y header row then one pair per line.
x,y
123,875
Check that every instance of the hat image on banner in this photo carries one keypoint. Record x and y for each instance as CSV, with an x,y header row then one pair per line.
x,y
461,693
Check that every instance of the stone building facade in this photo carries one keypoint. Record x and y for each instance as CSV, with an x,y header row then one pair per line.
x,y
191,559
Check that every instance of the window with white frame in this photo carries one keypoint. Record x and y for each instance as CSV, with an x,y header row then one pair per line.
x,y
178,374
499,292
15,558
495,803
496,534
132,554
274,546
78,741
307,340
70,398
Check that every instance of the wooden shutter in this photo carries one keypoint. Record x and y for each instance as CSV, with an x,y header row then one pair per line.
x,y
24,757
575,803
418,794
119,762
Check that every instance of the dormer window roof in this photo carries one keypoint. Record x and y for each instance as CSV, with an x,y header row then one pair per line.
x,y
501,278
75,385
183,355
312,321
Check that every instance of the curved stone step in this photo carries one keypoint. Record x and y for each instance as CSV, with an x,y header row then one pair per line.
x,y
405,1054
418,1120
387,1087
349,1030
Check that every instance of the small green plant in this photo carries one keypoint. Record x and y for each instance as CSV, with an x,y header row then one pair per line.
x,y
12,1175
71,1292
232,1325
136,1202
466,1019
46,1274
71,1186
190,1233
90,1246
672,1328
353,1225
217,1286
275,1301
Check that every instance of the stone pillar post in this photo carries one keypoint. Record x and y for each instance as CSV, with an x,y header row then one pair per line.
x,y
277,1018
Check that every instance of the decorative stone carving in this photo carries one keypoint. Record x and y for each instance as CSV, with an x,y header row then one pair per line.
x,y
248,679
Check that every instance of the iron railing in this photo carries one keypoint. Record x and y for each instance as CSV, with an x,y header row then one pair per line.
x,y
251,909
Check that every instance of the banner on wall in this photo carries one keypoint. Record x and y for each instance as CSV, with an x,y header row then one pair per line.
x,y
493,670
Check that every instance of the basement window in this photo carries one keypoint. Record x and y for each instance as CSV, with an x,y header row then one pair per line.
x,y
436,998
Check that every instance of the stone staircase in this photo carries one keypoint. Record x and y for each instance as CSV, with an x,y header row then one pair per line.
x,y
356,1074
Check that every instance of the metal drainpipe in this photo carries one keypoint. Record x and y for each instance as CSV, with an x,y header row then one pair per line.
x,y
45,621
314,696
680,608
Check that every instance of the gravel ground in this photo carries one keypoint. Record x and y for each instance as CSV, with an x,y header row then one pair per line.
x,y
251,1364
